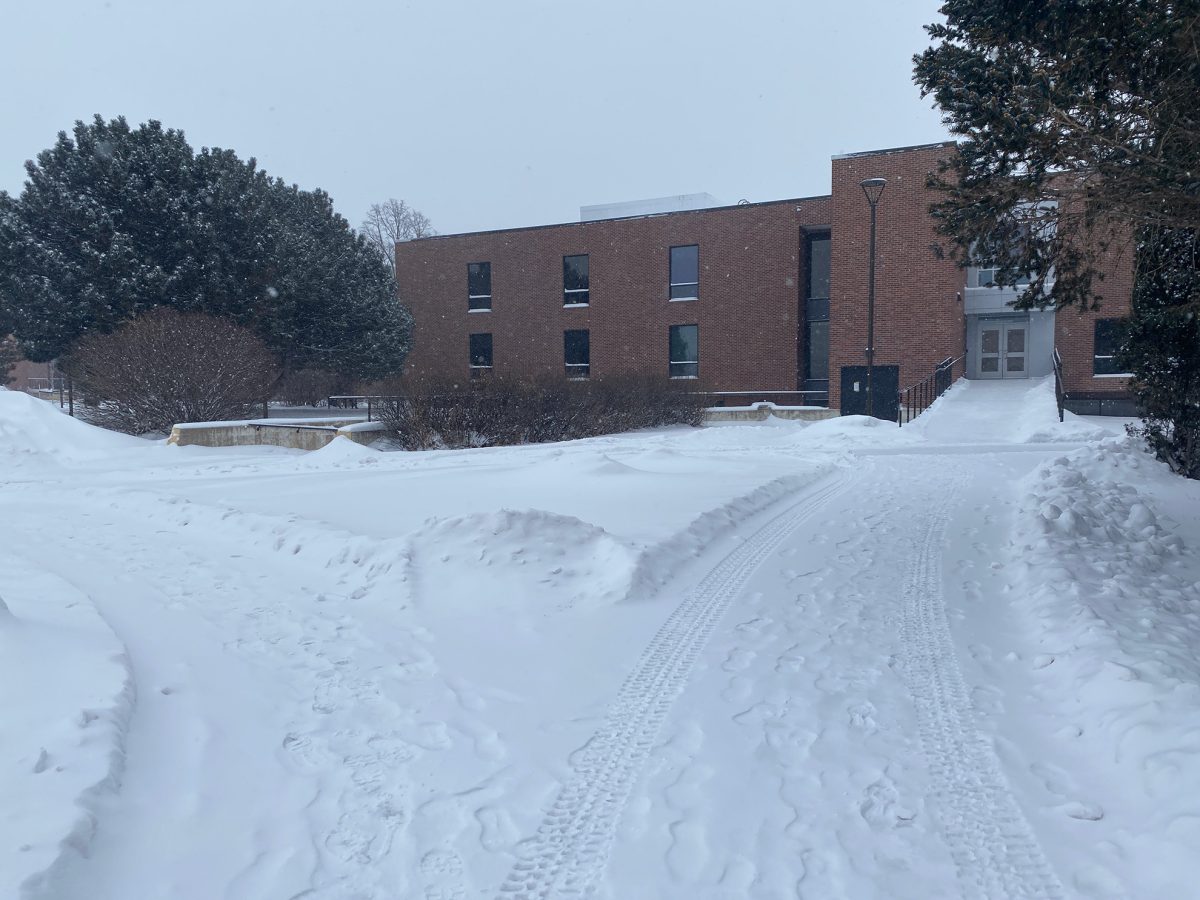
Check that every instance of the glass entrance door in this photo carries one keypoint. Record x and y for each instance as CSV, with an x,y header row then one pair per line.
x,y
1002,349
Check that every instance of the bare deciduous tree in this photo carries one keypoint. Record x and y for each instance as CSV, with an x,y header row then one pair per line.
x,y
166,367
391,222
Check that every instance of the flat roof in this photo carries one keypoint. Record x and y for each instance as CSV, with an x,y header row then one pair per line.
x,y
895,150
681,212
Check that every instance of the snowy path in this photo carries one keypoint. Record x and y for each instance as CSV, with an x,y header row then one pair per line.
x,y
266,755
844,758
572,845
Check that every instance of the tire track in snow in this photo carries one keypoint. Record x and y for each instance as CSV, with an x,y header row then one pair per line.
x,y
572,845
992,845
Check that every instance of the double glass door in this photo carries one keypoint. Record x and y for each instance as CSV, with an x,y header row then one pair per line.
x,y
1002,349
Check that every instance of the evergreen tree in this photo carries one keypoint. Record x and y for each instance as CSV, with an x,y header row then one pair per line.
x,y
1080,132
115,220
1085,113
1162,346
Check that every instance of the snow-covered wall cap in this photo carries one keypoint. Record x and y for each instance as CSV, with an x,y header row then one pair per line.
x,y
624,209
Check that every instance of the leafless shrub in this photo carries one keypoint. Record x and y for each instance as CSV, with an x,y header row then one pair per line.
x,y
166,367
501,411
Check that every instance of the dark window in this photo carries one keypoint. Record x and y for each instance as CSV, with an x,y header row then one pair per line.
x,y
685,351
479,286
1007,245
685,272
816,353
1110,333
481,352
575,281
814,362
817,287
577,353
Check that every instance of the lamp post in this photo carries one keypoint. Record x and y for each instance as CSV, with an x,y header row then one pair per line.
x,y
872,187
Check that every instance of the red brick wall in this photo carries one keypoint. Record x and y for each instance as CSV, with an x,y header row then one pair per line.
x,y
21,373
919,320
748,312
1074,331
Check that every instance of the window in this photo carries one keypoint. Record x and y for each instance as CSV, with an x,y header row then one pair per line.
x,y
685,272
1107,341
481,354
479,286
814,360
575,281
1031,226
817,287
685,351
577,352
986,277
816,355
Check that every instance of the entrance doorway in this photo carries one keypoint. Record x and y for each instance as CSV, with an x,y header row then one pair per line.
x,y
1003,349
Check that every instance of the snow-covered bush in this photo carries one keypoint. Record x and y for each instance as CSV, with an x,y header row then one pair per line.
x,y
498,411
166,367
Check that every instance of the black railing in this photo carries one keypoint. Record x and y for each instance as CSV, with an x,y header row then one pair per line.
x,y
293,427
1060,393
918,398
357,401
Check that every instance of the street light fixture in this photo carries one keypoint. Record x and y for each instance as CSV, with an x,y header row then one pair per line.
x,y
872,187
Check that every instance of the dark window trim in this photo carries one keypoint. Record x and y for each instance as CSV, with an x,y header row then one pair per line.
x,y
809,237
586,292
578,371
478,367
671,283
475,301
684,362
1108,368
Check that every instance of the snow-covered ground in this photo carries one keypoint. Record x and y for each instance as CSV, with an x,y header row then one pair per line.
x,y
828,660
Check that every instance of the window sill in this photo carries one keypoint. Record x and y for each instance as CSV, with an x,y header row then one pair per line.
x,y
576,305
684,377
478,310
1115,375
681,299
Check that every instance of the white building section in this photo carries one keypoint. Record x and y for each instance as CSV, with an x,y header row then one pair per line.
x,y
653,206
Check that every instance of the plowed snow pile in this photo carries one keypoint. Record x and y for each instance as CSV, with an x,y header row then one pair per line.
x,y
530,561
1112,592
34,432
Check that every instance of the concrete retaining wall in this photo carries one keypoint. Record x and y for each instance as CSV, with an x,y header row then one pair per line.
x,y
311,434
760,412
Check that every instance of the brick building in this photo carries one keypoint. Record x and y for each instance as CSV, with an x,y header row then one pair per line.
x,y
756,301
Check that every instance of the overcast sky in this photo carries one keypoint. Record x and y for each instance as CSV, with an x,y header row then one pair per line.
x,y
483,113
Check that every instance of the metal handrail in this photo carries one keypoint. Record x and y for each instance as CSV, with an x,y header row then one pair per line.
x,y
1060,393
914,400
257,425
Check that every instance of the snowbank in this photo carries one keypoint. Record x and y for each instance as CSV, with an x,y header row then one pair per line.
x,y
513,560
1113,594
32,430
67,694
1038,422
657,564
341,452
